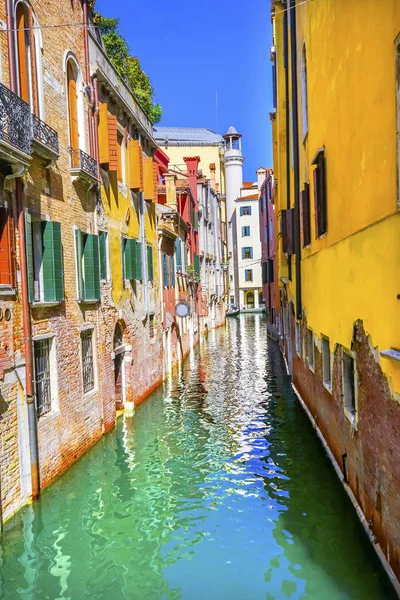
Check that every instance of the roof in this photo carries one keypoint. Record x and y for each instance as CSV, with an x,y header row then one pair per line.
x,y
250,197
248,184
187,136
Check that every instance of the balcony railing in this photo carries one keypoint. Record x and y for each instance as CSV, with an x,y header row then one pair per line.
x,y
44,135
14,120
80,161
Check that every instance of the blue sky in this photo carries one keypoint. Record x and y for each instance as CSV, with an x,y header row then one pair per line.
x,y
191,50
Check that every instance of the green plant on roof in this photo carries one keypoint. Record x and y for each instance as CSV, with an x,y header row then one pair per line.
x,y
127,66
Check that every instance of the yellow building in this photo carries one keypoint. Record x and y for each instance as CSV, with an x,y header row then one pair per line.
x,y
336,162
128,240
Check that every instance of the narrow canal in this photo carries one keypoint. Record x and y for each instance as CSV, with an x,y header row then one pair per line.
x,y
217,488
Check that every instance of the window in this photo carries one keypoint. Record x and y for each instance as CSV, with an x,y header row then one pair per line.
x,y
132,259
151,326
150,264
178,254
232,300
44,260
304,99
121,157
305,214
326,361
87,360
26,51
298,338
231,277
246,231
87,265
320,192
45,376
165,265
172,271
268,271
72,75
7,249
245,210
250,300
310,348
248,274
247,252
287,231
349,394
104,255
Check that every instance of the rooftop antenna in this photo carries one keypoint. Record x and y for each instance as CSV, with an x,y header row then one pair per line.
x,y
216,108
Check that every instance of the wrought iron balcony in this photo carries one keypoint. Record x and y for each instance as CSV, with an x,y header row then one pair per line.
x,y
44,139
15,130
83,166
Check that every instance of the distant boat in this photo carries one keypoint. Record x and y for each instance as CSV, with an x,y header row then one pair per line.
x,y
232,312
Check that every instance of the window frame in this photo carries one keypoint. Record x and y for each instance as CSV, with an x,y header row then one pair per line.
x,y
88,332
80,108
250,249
100,233
248,272
41,340
243,209
244,229
349,386
310,349
326,362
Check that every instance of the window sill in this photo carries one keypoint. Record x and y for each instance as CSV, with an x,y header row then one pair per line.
x,y
48,417
45,304
328,387
7,291
351,416
391,354
90,393
85,301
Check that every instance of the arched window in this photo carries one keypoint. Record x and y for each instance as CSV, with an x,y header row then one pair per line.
x,y
72,78
27,62
304,99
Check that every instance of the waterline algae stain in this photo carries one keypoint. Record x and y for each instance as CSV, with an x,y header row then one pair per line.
x,y
217,488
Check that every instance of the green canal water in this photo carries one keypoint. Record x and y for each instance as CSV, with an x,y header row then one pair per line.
x,y
217,488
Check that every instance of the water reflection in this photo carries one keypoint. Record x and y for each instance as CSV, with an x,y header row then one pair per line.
x,y
216,488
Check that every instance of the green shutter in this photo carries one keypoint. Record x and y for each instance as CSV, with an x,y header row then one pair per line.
x,y
138,265
91,267
78,254
196,265
196,220
29,256
184,257
53,288
150,267
165,270
129,258
103,254
178,254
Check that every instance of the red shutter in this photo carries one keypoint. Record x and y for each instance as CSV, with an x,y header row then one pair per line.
x,y
287,231
7,249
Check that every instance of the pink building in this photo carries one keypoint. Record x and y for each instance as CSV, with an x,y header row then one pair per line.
x,y
268,246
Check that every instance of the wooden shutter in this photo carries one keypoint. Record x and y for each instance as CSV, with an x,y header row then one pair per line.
x,y
320,197
112,143
305,215
7,248
120,142
178,254
135,167
78,256
148,179
34,78
165,270
91,266
29,256
196,264
287,231
264,271
138,262
150,266
53,288
104,152
22,53
103,254
72,108
129,259
270,273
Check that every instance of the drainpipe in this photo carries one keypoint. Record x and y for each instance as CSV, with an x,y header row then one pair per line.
x,y
26,316
287,121
295,130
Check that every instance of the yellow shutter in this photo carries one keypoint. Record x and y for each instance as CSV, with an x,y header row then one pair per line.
x,y
148,179
135,165
32,43
112,143
104,152
22,53
72,108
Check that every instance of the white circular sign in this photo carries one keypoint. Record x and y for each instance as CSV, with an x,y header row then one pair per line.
x,y
182,309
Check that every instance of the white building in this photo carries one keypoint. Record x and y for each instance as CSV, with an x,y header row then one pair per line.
x,y
244,247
